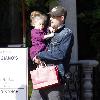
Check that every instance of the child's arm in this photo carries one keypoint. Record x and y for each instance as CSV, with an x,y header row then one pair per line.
x,y
51,34
48,35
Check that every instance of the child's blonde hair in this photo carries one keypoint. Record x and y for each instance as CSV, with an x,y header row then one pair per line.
x,y
39,14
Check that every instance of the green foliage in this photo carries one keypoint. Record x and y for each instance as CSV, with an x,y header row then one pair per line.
x,y
96,14
88,17
52,3
95,40
29,2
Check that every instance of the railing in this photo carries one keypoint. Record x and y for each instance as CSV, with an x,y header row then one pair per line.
x,y
79,79
72,89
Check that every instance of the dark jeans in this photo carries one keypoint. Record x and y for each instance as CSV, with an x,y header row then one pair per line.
x,y
52,93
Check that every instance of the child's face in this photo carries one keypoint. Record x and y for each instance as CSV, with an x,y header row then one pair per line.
x,y
39,24
32,22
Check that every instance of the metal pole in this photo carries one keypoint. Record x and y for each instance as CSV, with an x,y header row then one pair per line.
x,y
24,24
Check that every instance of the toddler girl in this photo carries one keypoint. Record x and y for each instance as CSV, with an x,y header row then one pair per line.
x,y
39,34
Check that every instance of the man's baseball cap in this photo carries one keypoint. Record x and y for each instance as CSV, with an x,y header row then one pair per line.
x,y
58,11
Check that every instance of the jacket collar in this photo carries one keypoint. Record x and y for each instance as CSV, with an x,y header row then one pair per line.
x,y
60,28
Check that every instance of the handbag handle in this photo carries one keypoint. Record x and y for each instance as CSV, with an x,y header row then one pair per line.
x,y
42,64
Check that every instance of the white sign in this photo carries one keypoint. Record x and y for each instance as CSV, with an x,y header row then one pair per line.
x,y
13,74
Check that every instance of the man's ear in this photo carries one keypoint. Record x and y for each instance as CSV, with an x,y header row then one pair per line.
x,y
62,18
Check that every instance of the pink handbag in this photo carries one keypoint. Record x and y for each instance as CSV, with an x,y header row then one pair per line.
x,y
44,76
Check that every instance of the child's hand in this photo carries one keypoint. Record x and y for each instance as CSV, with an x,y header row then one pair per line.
x,y
52,30
51,34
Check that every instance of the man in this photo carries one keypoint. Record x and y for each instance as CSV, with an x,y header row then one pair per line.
x,y
58,53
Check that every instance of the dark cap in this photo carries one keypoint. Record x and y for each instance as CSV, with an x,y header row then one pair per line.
x,y
58,11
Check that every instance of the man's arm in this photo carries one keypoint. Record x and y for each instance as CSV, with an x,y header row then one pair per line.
x,y
58,53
